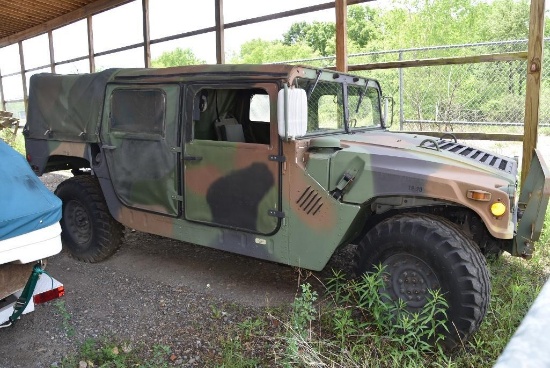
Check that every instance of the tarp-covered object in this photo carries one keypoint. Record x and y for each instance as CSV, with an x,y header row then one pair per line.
x,y
66,107
25,203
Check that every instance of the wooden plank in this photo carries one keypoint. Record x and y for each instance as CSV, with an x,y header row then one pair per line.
x,y
472,136
91,56
81,13
220,36
146,34
341,36
23,76
484,58
2,99
52,58
290,13
535,48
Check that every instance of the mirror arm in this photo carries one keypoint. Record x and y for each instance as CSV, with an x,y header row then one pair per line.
x,y
286,111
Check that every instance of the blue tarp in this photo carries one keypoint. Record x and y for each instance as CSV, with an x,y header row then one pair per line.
x,y
25,203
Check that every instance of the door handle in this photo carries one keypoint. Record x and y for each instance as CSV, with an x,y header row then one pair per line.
x,y
107,147
192,158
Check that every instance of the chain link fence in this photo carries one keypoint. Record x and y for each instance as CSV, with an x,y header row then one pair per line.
x,y
484,97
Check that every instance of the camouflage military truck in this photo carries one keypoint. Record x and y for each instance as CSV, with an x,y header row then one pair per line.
x,y
283,163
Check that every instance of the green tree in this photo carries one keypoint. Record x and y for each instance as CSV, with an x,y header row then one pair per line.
x,y
363,25
176,57
319,36
260,52
363,28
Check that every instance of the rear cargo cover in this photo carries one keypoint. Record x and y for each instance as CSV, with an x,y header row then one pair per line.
x,y
66,107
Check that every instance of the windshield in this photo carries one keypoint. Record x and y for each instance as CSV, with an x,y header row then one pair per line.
x,y
326,113
364,107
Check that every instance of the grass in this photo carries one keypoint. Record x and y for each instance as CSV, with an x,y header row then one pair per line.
x,y
16,141
111,353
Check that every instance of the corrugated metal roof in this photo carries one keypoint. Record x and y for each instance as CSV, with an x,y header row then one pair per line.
x,y
20,15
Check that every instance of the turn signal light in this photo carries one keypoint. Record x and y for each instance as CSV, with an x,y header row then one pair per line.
x,y
478,195
498,209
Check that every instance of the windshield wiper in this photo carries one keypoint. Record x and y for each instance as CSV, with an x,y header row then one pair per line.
x,y
361,94
312,87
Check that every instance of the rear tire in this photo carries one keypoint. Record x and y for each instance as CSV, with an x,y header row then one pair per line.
x,y
421,252
89,232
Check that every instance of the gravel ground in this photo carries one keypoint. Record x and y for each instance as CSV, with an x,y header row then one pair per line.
x,y
153,291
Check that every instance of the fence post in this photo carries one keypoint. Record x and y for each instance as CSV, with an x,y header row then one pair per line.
x,y
401,112
535,49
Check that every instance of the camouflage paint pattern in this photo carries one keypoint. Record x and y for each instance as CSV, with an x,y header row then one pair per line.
x,y
271,201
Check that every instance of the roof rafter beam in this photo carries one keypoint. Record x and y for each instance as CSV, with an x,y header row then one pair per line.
x,y
81,13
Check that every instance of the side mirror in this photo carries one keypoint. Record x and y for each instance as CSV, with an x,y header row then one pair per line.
x,y
292,112
388,100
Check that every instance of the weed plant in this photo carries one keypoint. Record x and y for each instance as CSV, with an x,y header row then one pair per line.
x,y
357,324
16,141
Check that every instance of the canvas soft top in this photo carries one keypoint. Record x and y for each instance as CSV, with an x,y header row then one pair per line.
x,y
66,107
26,204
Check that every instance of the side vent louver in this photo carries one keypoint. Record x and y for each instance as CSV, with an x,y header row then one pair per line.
x,y
310,201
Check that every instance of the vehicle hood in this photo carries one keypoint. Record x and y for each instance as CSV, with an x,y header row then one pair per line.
x,y
431,150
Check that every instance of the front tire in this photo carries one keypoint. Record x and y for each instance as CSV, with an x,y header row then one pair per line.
x,y
422,252
88,231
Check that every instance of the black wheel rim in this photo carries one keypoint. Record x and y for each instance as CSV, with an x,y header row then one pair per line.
x,y
77,222
410,279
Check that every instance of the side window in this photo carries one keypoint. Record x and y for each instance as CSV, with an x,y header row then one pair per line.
x,y
231,115
138,111
259,108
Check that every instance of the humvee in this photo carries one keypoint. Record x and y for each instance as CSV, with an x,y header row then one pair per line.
x,y
282,163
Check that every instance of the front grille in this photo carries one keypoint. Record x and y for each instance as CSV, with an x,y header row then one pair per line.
x,y
498,162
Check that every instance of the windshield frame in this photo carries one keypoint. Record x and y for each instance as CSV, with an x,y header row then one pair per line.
x,y
319,77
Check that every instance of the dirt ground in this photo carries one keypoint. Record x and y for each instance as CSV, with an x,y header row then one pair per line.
x,y
152,291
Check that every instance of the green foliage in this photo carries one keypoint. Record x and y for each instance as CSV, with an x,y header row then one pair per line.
x,y
359,324
303,310
66,317
110,353
176,57
233,357
16,141
363,28
258,51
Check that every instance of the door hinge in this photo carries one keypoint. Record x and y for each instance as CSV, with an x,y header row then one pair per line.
x,y
276,213
277,158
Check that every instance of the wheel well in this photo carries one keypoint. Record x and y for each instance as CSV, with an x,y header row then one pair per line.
x,y
467,220
56,163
